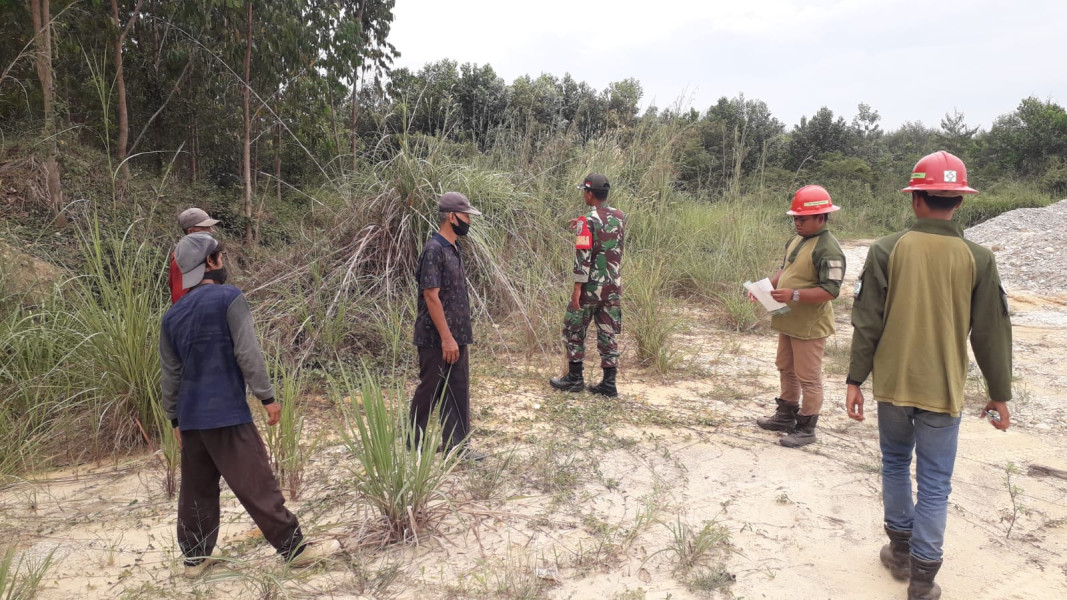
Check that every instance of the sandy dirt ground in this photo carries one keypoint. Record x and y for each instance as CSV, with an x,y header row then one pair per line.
x,y
594,492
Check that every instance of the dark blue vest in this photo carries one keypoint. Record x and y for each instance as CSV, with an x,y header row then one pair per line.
x,y
212,390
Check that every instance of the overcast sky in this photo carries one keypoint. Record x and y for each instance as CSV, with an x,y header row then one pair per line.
x,y
910,60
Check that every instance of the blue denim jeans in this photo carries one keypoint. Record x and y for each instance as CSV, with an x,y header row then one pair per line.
x,y
933,436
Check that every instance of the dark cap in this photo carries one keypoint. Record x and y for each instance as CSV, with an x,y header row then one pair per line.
x,y
595,182
456,202
190,254
195,217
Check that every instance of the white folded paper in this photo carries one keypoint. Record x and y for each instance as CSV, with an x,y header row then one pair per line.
x,y
761,290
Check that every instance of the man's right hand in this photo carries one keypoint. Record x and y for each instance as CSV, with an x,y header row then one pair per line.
x,y
178,436
1002,409
854,402
450,350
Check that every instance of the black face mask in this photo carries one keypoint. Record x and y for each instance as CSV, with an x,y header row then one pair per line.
x,y
460,227
217,275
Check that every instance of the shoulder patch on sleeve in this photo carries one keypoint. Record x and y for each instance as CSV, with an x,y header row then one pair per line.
x,y
835,270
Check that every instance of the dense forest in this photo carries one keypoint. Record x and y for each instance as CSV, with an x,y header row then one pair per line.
x,y
273,97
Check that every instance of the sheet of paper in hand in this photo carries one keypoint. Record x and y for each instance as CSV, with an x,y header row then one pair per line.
x,y
761,290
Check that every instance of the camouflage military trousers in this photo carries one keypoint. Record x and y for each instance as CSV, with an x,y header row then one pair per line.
x,y
607,314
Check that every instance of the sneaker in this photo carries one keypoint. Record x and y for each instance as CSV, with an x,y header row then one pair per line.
x,y
314,552
193,571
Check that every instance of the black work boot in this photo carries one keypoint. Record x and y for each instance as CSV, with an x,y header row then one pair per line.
x,y
922,586
783,419
572,381
896,555
606,387
804,434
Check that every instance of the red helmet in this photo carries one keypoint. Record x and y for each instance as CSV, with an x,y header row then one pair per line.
x,y
812,200
940,172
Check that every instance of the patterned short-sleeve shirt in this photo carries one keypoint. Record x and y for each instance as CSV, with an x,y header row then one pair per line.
x,y
441,266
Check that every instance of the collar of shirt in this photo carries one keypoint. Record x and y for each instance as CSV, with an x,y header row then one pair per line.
x,y
938,227
437,235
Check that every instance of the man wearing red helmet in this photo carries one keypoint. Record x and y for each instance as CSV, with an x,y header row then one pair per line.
x,y
922,291
807,280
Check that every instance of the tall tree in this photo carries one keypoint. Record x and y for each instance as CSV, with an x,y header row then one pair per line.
x,y
41,15
246,156
955,136
121,31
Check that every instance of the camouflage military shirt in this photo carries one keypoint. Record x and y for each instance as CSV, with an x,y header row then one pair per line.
x,y
598,268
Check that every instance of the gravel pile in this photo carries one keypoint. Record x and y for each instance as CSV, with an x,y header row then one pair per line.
x,y
1030,245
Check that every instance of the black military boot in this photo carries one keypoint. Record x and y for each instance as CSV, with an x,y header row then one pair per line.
x,y
606,387
783,419
922,586
804,433
896,555
572,381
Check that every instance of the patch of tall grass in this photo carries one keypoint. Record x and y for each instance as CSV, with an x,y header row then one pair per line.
x,y
79,373
403,480
21,578
290,452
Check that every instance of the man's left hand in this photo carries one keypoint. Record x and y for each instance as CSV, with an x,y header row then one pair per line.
x,y
782,295
274,413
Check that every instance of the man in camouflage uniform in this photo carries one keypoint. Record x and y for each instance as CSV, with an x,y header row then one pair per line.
x,y
597,294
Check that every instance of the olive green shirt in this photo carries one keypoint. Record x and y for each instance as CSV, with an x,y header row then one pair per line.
x,y
921,293
810,262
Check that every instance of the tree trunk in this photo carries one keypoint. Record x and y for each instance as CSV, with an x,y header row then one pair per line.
x,y
120,83
278,161
355,121
41,12
355,104
247,158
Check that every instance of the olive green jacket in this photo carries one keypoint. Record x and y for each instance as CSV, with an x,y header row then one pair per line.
x,y
921,293
810,262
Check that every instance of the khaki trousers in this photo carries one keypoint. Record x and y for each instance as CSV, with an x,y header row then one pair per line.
x,y
799,363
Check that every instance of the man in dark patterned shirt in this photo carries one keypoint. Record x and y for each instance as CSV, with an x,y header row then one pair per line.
x,y
597,294
443,325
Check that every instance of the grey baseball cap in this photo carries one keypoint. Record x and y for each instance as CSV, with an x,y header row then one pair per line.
x,y
191,254
456,202
594,182
195,217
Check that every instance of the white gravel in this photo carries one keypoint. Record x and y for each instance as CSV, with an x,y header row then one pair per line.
x,y
1029,244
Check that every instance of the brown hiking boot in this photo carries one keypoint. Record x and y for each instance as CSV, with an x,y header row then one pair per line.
x,y
896,555
922,586
783,419
804,433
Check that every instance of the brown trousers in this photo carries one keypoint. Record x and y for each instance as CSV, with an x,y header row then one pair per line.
x,y
235,453
799,364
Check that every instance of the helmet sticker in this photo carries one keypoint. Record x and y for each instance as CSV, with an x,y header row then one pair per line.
x,y
918,175
817,203
950,177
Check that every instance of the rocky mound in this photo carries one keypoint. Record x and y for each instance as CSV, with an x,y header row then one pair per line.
x,y
1029,244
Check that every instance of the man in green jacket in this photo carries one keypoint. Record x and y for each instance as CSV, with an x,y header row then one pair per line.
x,y
808,279
922,291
